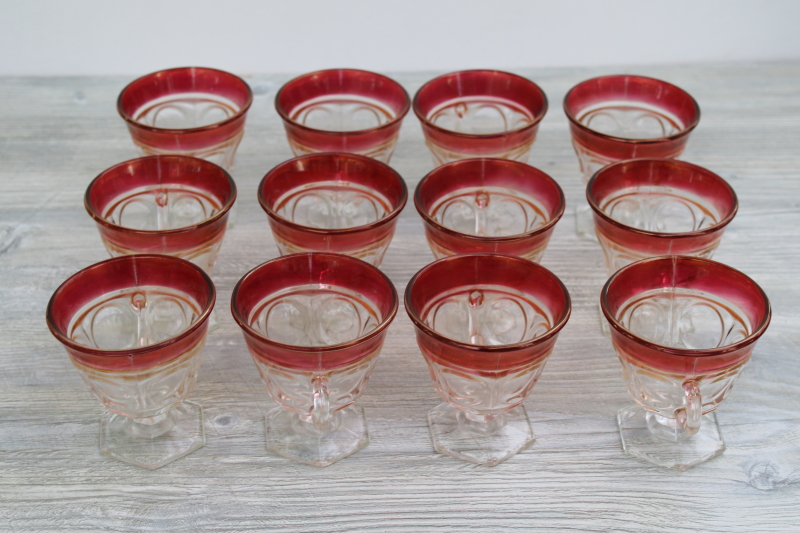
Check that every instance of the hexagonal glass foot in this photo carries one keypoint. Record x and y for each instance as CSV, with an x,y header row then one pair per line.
x,y
153,442
487,440
297,439
655,439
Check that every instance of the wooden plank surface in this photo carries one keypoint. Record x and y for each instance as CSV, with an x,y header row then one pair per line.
x,y
56,134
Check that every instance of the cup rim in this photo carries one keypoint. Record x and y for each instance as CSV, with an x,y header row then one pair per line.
x,y
486,239
177,131
685,352
132,352
662,235
223,211
384,323
653,140
340,231
552,332
536,119
396,120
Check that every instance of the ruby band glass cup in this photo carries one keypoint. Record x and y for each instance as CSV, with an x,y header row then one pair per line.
x,y
171,205
479,113
336,202
612,118
315,324
135,327
628,117
650,207
489,205
486,325
343,110
191,111
683,328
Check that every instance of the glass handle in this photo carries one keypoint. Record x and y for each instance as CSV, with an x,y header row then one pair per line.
x,y
690,416
321,411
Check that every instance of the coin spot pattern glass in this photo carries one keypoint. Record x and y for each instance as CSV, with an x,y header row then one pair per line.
x,y
683,329
315,324
485,332
135,327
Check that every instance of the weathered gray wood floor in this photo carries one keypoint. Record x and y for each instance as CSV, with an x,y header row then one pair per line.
x,y
56,134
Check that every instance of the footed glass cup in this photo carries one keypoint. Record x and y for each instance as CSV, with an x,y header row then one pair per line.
x,y
618,117
489,205
135,327
683,328
315,324
479,113
486,325
192,111
334,202
171,205
343,110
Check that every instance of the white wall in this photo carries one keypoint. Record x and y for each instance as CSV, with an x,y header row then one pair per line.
x,y
249,36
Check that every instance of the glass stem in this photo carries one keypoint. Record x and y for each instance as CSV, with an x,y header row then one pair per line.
x,y
481,424
151,426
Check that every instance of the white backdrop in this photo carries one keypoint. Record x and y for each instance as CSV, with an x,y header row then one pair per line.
x,y
42,37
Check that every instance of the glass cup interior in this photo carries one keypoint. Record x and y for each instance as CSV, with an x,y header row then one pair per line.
x,y
479,113
480,102
683,328
489,205
174,205
631,108
342,101
190,98
343,203
134,328
649,207
315,324
485,325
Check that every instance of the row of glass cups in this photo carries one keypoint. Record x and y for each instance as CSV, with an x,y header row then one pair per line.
x,y
480,113
314,323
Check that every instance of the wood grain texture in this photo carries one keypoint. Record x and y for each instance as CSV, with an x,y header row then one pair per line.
x,y
56,134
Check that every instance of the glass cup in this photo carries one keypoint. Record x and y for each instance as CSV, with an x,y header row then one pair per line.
x,y
192,111
171,205
612,118
486,325
135,327
489,205
650,207
336,202
343,110
683,328
479,113
315,324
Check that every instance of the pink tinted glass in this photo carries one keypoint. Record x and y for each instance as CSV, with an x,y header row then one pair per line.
x,y
343,110
159,189
325,271
479,113
129,272
683,329
191,111
342,203
513,206
666,188
666,274
501,273
621,104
